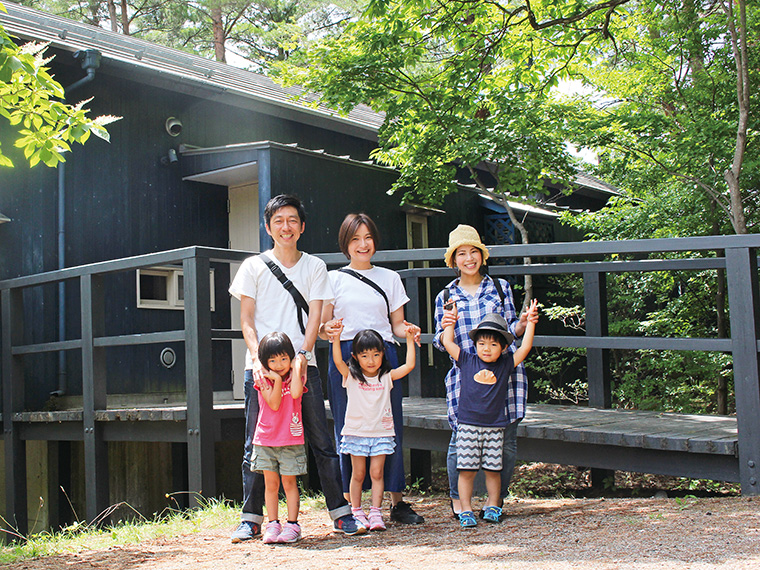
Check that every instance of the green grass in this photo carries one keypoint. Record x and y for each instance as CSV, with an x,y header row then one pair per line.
x,y
80,536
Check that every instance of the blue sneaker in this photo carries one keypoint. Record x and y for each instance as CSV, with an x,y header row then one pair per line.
x,y
492,514
245,531
467,519
348,525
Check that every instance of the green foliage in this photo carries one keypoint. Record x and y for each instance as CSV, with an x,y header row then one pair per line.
x,y
460,83
79,537
663,110
656,303
31,101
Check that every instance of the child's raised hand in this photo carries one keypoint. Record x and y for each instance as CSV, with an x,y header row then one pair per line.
x,y
532,311
450,315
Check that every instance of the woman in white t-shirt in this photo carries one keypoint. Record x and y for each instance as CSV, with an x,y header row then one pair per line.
x,y
359,304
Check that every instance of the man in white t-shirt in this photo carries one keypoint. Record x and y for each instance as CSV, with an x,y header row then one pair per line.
x,y
267,306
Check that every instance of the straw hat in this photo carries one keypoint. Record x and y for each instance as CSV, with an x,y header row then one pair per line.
x,y
493,322
463,235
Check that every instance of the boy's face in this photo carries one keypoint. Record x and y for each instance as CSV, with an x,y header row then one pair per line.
x,y
279,363
285,227
488,349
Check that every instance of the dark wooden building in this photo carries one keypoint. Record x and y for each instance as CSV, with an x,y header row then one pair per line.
x,y
199,149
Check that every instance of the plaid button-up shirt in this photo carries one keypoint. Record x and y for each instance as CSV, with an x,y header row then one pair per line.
x,y
472,310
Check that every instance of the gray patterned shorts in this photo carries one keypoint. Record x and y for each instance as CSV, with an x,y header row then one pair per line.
x,y
479,447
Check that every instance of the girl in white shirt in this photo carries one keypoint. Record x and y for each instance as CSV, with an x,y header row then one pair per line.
x,y
368,429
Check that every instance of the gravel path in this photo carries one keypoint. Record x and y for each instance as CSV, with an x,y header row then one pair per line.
x,y
556,534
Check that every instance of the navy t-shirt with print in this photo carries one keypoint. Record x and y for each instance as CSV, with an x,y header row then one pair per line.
x,y
483,389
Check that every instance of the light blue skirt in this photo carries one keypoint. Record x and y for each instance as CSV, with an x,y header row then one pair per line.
x,y
367,446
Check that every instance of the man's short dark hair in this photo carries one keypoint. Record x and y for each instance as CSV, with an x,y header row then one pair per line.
x,y
350,226
281,201
486,334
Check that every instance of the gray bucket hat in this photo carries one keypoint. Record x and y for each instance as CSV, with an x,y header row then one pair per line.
x,y
493,322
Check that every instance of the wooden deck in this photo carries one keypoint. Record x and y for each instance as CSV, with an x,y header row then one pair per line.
x,y
697,446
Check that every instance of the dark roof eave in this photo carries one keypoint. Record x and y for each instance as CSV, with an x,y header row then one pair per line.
x,y
172,69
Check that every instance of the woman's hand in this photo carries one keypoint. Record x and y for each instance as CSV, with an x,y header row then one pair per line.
x,y
414,331
333,328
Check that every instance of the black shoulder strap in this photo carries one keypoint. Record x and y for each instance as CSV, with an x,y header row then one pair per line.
x,y
369,282
301,303
499,290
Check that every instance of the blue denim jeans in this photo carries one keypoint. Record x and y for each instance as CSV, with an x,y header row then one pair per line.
x,y
508,461
318,437
395,479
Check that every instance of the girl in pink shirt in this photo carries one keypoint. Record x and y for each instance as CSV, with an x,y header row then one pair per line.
x,y
368,429
278,444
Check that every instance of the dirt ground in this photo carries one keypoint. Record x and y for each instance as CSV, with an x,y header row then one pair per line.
x,y
592,533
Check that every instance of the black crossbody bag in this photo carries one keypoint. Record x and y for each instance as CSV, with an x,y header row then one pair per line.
x,y
372,284
301,304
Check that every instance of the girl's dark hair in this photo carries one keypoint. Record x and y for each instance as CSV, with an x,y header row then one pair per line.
x,y
367,340
275,344
351,225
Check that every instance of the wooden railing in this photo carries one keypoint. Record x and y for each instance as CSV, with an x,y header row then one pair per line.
x,y
737,255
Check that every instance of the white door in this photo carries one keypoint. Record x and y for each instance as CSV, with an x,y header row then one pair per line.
x,y
244,235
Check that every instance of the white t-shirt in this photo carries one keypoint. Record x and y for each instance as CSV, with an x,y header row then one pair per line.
x,y
361,306
368,411
275,308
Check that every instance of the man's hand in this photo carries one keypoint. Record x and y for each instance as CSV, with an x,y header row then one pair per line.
x,y
299,366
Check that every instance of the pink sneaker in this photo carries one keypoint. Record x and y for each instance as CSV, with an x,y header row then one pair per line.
x,y
361,517
272,533
376,519
291,532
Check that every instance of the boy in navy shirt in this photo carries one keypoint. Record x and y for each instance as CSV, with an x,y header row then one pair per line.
x,y
481,417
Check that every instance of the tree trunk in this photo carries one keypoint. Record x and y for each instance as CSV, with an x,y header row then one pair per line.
x,y
525,239
112,15
721,392
124,17
218,28
739,48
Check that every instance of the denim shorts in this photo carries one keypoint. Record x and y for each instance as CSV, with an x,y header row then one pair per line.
x,y
286,460
367,446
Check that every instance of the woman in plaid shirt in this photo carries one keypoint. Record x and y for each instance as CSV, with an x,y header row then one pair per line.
x,y
476,296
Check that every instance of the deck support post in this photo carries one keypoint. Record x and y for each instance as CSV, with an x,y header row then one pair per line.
x,y
11,309
597,359
93,396
741,271
414,379
200,385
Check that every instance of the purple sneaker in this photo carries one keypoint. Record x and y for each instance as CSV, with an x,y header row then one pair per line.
x,y
376,519
272,533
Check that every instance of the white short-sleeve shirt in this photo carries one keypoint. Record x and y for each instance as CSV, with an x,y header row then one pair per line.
x,y
361,306
275,308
